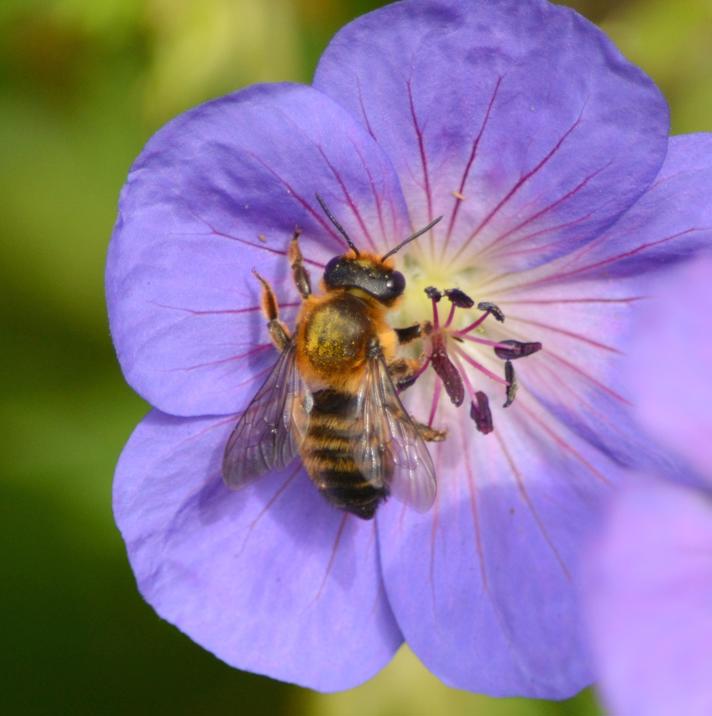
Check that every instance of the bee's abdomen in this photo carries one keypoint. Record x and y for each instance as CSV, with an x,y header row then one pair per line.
x,y
335,428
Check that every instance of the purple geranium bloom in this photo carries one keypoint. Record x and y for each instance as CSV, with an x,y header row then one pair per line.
x,y
547,155
650,596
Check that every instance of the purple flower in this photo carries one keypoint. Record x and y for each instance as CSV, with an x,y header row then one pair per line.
x,y
650,592
547,154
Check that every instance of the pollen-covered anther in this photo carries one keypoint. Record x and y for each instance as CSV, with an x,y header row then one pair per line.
x,y
493,309
481,414
511,350
512,386
459,298
446,370
433,294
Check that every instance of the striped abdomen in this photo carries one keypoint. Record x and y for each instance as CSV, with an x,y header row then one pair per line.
x,y
334,432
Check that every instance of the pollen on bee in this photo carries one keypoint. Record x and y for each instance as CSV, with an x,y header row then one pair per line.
x,y
458,195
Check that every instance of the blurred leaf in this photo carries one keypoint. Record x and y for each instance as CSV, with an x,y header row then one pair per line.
x,y
405,686
201,50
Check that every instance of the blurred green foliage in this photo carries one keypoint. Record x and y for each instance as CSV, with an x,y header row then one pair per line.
x,y
82,87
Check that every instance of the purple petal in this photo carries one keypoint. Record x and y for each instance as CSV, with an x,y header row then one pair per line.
x,y
670,223
523,108
650,602
583,308
484,587
216,193
270,579
669,362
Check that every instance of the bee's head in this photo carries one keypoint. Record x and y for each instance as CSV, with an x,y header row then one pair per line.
x,y
366,272
370,273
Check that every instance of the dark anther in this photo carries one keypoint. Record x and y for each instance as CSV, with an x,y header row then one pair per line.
x,y
511,383
433,294
492,308
481,413
459,298
516,349
447,372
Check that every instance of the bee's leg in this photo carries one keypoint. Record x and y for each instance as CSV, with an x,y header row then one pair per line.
x,y
410,333
404,371
278,331
429,434
299,273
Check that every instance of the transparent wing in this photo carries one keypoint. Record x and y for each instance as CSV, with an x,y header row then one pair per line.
x,y
390,442
268,433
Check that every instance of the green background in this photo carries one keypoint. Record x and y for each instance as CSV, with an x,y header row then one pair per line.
x,y
83,84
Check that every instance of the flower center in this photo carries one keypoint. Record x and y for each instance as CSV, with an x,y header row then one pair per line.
x,y
463,342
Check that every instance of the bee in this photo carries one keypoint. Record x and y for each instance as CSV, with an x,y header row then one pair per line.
x,y
332,396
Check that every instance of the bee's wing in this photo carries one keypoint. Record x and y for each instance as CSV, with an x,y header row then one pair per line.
x,y
268,433
390,437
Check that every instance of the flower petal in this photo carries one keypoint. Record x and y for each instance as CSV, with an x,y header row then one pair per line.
x,y
650,601
583,308
484,587
668,367
270,579
216,193
523,108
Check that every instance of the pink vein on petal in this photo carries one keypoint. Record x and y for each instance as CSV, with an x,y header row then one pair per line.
x,y
423,157
363,107
372,184
349,199
479,366
474,510
564,444
213,426
301,200
220,311
332,558
588,376
524,493
253,351
269,504
517,186
553,278
469,164
548,301
565,332
544,211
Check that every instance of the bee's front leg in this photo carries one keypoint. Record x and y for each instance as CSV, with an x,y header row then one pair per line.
x,y
278,331
299,272
410,333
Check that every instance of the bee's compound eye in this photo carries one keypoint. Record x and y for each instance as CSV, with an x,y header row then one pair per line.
x,y
333,263
396,283
333,272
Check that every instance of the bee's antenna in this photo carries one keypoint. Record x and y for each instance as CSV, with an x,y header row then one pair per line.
x,y
411,238
338,226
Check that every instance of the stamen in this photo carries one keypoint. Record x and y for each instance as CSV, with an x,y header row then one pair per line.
x,y
434,295
492,308
448,373
459,298
481,413
511,383
511,350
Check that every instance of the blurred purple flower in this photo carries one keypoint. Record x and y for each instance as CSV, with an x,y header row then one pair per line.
x,y
650,591
547,154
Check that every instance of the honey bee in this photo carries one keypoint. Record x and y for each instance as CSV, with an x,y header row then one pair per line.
x,y
332,396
